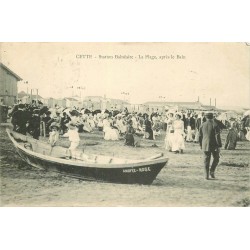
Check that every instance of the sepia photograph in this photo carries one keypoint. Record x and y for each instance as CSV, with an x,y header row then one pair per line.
x,y
124,125
111,124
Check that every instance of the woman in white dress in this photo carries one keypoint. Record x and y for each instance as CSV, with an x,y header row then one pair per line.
x,y
248,133
170,131
109,132
119,123
178,137
92,122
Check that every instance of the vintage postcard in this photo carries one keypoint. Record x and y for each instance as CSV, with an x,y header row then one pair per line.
x,y
124,124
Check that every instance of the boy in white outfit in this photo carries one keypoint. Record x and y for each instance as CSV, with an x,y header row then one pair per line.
x,y
54,134
74,139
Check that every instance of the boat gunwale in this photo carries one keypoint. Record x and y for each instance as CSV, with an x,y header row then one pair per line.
x,y
52,159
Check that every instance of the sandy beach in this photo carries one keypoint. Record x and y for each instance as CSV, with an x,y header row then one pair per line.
x,y
180,184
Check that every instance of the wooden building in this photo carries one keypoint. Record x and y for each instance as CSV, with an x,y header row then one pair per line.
x,y
99,102
8,85
178,106
27,98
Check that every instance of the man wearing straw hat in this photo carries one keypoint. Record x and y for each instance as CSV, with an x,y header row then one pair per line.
x,y
210,143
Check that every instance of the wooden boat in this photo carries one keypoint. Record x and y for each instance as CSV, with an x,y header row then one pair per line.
x,y
87,167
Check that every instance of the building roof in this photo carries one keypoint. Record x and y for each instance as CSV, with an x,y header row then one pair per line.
x,y
187,105
71,99
173,103
105,98
93,96
23,94
11,72
207,107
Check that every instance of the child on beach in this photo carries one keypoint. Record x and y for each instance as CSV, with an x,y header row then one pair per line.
x,y
54,134
74,139
129,136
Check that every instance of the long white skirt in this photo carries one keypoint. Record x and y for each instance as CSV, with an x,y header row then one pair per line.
x,y
110,134
248,133
189,134
178,141
169,141
196,139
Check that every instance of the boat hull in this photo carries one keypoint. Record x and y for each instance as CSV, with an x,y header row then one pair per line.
x,y
132,173
127,175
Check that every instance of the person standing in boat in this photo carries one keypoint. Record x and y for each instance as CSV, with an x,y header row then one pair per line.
x,y
58,119
54,134
74,139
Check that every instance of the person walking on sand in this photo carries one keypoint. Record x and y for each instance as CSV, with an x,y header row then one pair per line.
x,y
169,131
210,143
232,137
178,144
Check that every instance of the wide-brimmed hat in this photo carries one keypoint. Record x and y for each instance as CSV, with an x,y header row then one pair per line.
x,y
179,113
74,112
54,125
36,111
209,115
170,112
21,106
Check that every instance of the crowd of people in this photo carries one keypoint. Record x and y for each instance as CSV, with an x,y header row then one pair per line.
x,y
180,127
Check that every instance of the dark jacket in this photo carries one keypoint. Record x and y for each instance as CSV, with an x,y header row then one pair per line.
x,y
209,137
189,121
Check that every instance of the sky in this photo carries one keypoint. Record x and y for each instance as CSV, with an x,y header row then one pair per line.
x,y
153,71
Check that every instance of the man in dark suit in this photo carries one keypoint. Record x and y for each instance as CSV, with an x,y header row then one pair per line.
x,y
210,143
189,126
20,119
